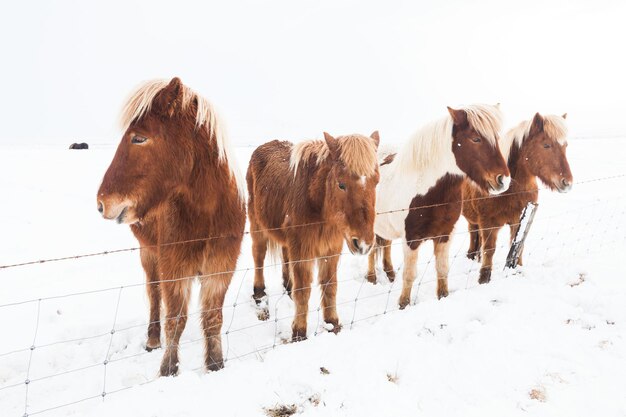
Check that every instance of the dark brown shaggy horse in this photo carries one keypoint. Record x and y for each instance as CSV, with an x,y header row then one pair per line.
x,y
419,196
173,179
308,199
535,149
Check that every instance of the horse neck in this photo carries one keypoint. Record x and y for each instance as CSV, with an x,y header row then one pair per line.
x,y
412,164
522,178
313,180
209,178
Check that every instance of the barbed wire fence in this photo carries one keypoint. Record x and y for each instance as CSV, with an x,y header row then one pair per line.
x,y
365,302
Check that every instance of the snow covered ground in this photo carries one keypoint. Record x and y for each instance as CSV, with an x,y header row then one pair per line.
x,y
548,340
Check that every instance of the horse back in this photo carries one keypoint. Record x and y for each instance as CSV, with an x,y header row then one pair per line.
x,y
270,182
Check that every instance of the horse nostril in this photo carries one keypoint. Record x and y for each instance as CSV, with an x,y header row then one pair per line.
x,y
355,243
565,182
500,180
100,207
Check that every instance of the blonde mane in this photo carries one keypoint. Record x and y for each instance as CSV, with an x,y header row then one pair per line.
x,y
554,126
357,152
433,141
140,102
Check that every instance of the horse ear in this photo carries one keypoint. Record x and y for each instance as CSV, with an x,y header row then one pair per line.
x,y
170,99
459,117
376,137
333,145
536,126
564,115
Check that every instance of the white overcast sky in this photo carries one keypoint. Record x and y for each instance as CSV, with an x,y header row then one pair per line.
x,y
292,69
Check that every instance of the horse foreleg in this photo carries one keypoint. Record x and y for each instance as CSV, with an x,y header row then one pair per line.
x,y
213,290
408,275
327,274
442,250
286,274
474,237
371,264
489,237
176,294
302,277
387,264
259,249
149,263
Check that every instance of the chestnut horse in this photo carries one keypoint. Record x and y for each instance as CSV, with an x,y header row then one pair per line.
x,y
174,179
535,149
308,199
419,195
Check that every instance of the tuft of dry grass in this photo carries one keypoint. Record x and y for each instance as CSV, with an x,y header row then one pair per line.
x,y
393,378
538,394
324,371
581,279
281,410
315,400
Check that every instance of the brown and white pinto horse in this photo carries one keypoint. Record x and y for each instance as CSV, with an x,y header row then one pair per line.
x,y
308,199
419,195
173,179
534,149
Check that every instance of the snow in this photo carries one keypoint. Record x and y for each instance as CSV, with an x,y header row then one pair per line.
x,y
547,339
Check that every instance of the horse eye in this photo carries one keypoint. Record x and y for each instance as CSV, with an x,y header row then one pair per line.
x,y
546,145
476,140
138,140
342,186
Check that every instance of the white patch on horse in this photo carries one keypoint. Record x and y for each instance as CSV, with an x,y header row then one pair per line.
x,y
418,165
363,181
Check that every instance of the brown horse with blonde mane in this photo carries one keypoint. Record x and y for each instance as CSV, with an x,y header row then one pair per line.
x,y
419,195
534,149
307,199
175,182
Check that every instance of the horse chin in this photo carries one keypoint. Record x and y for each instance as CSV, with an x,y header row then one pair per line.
x,y
556,186
561,189
127,216
352,250
496,191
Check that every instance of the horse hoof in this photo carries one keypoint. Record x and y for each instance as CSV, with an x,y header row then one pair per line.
x,y
442,294
391,275
153,344
485,276
371,278
259,296
336,327
403,303
215,366
474,256
298,335
169,370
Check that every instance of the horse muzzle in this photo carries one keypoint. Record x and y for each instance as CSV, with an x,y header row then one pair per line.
x,y
500,185
358,246
120,211
563,186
